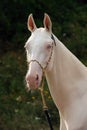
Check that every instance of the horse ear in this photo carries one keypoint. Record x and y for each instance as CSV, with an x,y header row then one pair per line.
x,y
31,24
47,22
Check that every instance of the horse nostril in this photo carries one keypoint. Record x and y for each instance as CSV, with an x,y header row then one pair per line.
x,y
37,77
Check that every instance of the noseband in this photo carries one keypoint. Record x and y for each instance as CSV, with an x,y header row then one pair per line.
x,y
47,63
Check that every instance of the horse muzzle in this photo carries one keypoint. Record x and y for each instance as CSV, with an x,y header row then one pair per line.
x,y
33,79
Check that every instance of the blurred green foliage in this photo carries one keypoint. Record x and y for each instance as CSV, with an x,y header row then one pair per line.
x,y
69,22
18,109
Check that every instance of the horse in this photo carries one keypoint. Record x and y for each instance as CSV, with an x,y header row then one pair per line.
x,y
65,74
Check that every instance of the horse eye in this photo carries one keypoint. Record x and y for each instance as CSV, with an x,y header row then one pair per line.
x,y
49,47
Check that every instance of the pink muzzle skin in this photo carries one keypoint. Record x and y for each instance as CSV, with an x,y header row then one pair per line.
x,y
32,81
33,77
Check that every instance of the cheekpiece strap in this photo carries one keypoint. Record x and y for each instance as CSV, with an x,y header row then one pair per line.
x,y
52,37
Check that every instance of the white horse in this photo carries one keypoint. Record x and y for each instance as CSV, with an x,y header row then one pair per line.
x,y
65,74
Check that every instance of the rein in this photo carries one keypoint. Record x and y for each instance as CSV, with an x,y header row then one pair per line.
x,y
45,107
41,88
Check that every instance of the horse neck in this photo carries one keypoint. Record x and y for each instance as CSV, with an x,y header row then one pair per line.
x,y
66,70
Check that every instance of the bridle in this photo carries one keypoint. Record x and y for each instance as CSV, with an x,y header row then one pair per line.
x,y
50,57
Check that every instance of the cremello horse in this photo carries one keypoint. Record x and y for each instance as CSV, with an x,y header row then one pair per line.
x,y
65,74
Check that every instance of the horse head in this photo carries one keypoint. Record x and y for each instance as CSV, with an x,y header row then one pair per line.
x,y
39,49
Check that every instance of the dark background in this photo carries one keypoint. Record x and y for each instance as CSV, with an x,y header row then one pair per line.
x,y
20,110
